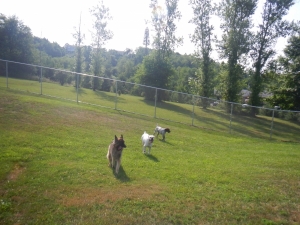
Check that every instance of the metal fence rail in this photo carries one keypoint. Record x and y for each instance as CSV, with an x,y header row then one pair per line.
x,y
181,107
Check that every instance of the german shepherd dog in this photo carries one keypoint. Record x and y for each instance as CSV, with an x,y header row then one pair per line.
x,y
114,152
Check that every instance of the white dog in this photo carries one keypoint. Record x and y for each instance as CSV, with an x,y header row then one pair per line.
x,y
161,131
147,141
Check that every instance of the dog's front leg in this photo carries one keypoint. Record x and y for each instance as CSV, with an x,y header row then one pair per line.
x,y
144,149
108,156
112,162
118,166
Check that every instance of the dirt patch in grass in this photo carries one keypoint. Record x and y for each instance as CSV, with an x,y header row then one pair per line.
x,y
15,172
89,196
294,215
12,176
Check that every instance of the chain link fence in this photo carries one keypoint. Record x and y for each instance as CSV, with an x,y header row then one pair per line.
x,y
166,105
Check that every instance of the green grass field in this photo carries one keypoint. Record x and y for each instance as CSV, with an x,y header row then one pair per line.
x,y
53,167
212,118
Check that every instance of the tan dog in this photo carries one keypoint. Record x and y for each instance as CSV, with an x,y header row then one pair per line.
x,y
114,152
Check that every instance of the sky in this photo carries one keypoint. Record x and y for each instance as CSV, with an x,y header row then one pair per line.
x,y
57,20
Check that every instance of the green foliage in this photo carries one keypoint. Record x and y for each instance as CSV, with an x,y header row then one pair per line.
x,y
101,16
270,29
51,49
225,80
180,80
235,42
287,95
16,40
156,68
100,35
16,44
78,36
61,77
163,21
125,68
202,40
154,72
146,41
140,53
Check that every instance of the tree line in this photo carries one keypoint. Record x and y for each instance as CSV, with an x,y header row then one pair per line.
x,y
246,55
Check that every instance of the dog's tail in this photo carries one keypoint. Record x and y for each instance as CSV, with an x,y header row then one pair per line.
x,y
143,135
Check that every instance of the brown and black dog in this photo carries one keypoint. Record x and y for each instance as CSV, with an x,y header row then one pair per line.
x,y
114,152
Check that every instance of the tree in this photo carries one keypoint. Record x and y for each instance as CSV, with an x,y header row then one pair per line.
x,y
140,53
146,41
202,39
125,68
100,36
180,80
61,77
153,71
163,21
51,49
78,36
157,68
287,95
235,41
16,44
271,27
87,53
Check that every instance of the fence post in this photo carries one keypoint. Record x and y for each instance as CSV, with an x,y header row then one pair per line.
x,y
41,80
6,70
271,130
155,97
231,116
116,99
193,110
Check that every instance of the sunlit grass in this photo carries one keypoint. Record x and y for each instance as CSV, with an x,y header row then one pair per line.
x,y
212,118
53,169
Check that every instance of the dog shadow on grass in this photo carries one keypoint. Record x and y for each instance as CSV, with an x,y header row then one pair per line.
x,y
152,157
164,141
121,176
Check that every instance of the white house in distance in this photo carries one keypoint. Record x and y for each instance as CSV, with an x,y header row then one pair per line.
x,y
245,94
69,48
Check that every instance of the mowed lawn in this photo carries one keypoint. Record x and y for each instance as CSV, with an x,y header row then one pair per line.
x,y
53,169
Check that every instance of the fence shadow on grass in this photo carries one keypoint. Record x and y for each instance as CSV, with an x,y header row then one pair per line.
x,y
81,91
108,96
257,127
260,127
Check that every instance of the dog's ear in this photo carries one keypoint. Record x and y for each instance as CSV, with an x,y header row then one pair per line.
x,y
121,136
116,139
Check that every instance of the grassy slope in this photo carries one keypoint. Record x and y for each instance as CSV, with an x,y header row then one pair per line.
x,y
213,118
53,170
